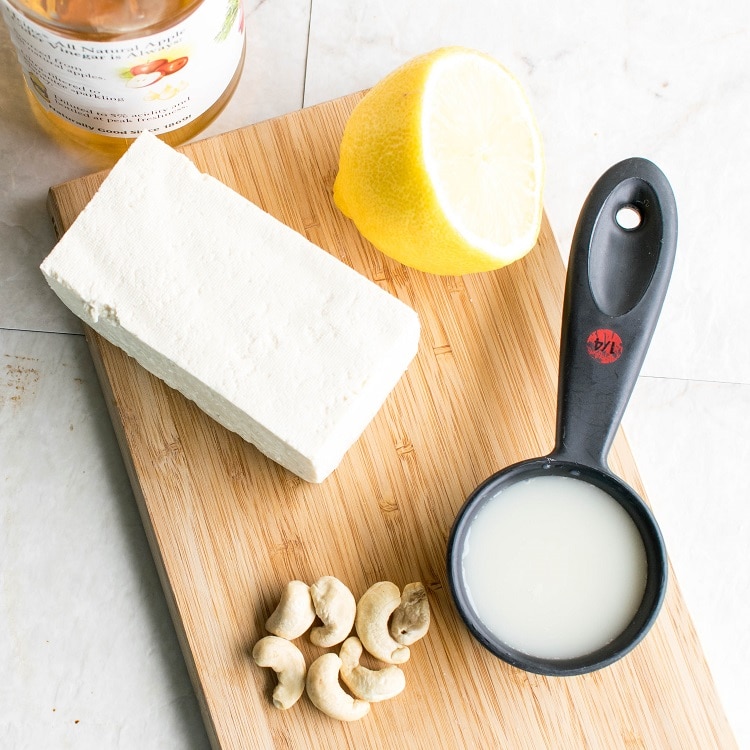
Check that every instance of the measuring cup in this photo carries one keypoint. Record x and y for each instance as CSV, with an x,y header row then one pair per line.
x,y
618,272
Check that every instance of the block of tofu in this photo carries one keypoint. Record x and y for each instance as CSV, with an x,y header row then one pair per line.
x,y
267,333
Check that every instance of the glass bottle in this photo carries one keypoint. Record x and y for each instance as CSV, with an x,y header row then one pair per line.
x,y
102,71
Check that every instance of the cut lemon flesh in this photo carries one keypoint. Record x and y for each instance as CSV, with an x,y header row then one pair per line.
x,y
482,153
441,165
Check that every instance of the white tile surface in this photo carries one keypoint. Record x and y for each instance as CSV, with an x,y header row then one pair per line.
x,y
691,441
84,630
88,652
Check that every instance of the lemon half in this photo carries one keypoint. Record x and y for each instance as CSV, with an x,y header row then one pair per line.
x,y
441,165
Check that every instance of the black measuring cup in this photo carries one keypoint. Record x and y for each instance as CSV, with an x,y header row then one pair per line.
x,y
619,268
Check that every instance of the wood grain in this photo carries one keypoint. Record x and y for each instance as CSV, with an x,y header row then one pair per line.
x,y
228,528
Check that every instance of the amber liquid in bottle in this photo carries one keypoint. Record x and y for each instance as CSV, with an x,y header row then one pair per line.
x,y
107,22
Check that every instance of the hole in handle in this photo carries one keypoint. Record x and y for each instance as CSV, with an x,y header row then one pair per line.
x,y
628,217
624,248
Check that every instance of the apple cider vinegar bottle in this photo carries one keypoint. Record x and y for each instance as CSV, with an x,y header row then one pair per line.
x,y
103,71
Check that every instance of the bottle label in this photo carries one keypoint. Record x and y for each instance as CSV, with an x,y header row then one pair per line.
x,y
120,88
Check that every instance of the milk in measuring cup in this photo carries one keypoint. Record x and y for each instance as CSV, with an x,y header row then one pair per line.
x,y
554,567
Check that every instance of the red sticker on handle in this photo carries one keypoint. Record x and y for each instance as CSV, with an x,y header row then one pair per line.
x,y
604,345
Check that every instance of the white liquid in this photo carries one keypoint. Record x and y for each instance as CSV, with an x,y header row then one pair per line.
x,y
554,567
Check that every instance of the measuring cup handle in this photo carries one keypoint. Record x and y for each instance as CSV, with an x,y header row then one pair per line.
x,y
619,268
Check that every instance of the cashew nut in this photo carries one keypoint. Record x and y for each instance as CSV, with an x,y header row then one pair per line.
x,y
411,619
335,606
326,693
373,611
287,661
371,685
294,613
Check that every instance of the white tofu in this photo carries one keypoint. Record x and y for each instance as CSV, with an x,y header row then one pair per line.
x,y
271,336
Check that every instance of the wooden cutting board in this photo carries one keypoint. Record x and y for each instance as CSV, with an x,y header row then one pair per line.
x,y
228,528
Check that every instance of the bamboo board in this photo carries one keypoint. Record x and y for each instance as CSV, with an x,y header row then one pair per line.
x,y
228,528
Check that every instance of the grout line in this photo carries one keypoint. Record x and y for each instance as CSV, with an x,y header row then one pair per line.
x,y
32,330
701,381
307,54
